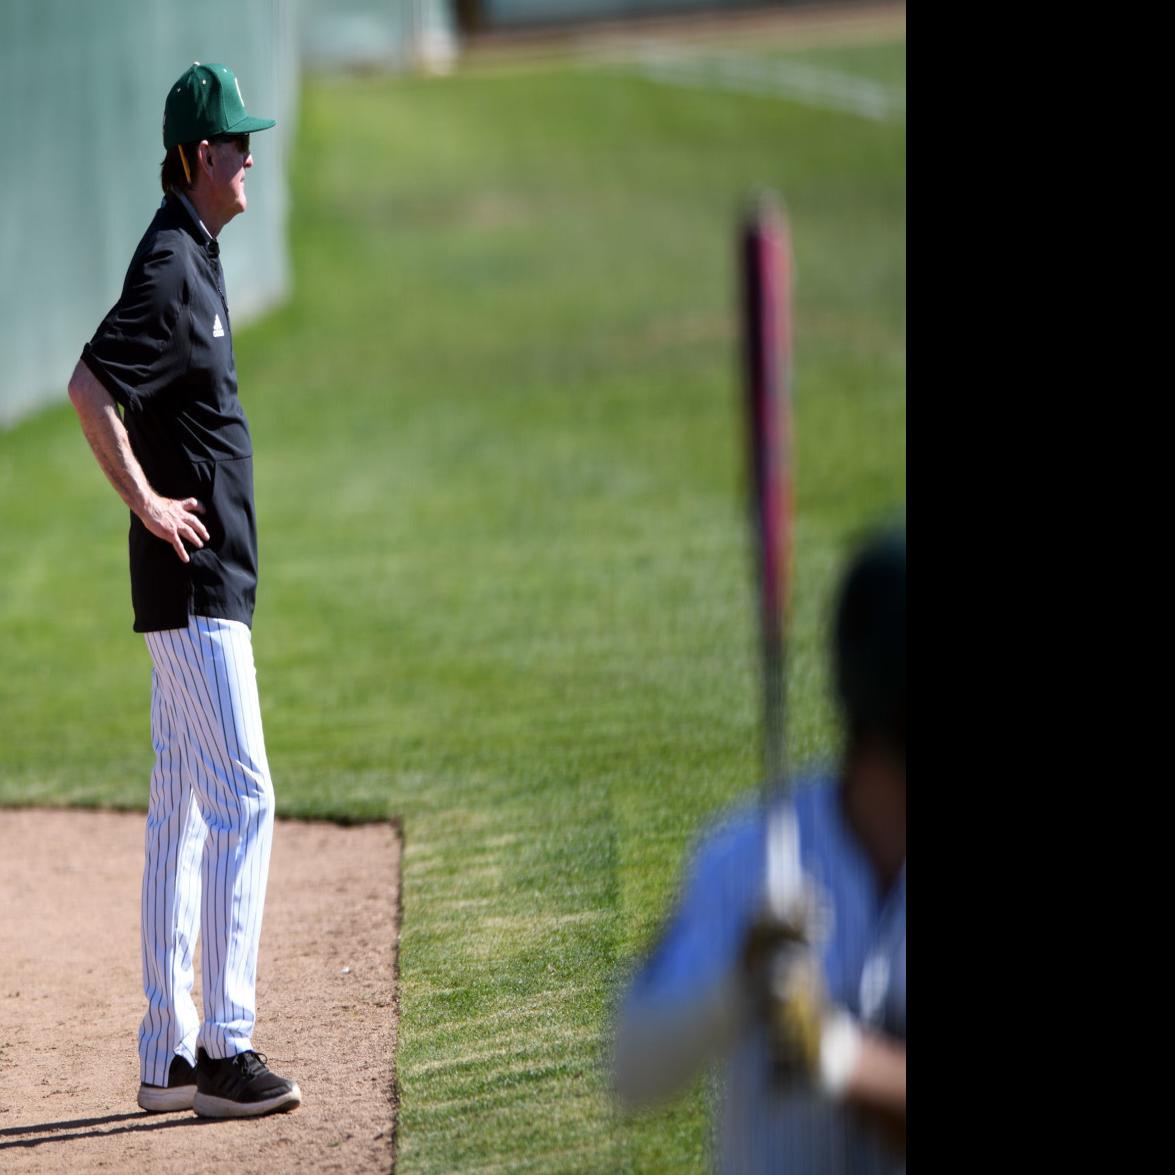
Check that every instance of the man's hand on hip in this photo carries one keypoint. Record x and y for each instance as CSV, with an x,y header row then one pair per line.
x,y
175,522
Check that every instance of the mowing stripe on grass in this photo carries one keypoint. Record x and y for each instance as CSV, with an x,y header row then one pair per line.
x,y
794,81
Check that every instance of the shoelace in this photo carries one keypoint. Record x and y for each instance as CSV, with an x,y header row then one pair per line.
x,y
251,1063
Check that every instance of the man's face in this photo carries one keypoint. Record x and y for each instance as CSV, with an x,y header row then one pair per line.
x,y
230,160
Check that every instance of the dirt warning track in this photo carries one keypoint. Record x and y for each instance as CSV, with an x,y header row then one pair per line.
x,y
71,999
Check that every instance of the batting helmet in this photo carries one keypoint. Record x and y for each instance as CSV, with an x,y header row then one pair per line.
x,y
870,641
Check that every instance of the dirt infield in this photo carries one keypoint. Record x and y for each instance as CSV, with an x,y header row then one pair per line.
x,y
70,1002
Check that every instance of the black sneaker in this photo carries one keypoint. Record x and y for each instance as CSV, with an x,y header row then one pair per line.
x,y
241,1087
177,1094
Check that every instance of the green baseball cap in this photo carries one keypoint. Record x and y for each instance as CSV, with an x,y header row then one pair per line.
x,y
204,102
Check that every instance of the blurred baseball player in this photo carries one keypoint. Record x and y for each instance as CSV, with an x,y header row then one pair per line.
x,y
807,1012
180,456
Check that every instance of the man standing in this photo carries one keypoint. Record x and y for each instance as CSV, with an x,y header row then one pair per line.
x,y
180,456
807,1012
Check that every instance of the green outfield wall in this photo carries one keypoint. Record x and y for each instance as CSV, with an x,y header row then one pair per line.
x,y
82,85
408,34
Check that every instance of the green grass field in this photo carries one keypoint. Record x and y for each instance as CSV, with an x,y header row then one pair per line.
x,y
505,571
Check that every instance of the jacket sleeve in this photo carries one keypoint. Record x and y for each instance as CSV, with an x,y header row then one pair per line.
x,y
142,348
687,1004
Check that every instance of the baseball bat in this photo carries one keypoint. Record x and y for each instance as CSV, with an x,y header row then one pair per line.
x,y
765,247
766,270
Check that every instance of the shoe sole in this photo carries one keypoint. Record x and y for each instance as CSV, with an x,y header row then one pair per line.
x,y
208,1106
156,1100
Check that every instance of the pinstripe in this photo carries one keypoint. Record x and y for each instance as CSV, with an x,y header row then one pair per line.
x,y
245,824
150,1028
186,878
174,830
229,1010
232,1010
259,811
208,767
158,845
207,866
176,658
217,1010
207,735
188,888
260,823
252,732
214,1001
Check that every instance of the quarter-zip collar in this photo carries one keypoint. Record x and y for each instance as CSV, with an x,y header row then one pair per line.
x,y
201,233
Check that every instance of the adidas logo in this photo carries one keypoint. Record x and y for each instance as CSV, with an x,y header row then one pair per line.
x,y
217,329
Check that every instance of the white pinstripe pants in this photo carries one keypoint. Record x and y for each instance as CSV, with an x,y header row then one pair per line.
x,y
209,831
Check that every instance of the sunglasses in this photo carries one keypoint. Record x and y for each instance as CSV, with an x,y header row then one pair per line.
x,y
241,142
